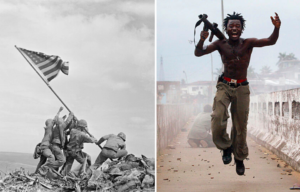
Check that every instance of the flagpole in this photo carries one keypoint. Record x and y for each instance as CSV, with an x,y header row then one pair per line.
x,y
43,80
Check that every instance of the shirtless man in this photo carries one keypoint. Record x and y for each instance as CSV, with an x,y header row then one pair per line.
x,y
233,88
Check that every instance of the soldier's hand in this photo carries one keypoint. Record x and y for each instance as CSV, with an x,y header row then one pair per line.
x,y
204,35
95,140
276,22
75,118
60,109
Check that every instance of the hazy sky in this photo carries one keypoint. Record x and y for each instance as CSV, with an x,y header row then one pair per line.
x,y
110,48
175,27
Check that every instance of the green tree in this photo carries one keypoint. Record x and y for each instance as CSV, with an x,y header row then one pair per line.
x,y
265,70
284,60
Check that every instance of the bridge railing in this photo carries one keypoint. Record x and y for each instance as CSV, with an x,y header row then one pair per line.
x,y
171,118
274,121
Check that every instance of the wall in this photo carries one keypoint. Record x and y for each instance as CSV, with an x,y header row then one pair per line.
x,y
274,122
170,120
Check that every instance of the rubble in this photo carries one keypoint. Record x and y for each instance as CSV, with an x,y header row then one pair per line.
x,y
130,174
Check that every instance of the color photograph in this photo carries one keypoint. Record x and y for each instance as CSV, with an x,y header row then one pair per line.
x,y
227,95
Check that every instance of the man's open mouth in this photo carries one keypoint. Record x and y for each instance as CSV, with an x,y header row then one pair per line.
x,y
234,35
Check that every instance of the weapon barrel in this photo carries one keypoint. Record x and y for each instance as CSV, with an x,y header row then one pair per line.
x,y
213,29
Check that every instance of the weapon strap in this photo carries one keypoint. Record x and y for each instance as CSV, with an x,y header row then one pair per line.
x,y
197,24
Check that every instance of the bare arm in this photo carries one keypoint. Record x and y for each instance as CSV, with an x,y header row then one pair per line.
x,y
203,50
272,39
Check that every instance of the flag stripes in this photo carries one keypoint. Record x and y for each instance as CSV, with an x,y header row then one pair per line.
x,y
48,65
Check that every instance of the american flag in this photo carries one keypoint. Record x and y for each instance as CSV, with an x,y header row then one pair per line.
x,y
49,65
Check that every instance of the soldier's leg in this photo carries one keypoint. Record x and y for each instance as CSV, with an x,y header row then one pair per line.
x,y
60,158
80,157
219,118
192,143
47,153
203,143
239,112
121,153
43,160
209,141
68,164
102,157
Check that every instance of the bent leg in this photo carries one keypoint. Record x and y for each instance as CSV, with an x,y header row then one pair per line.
x,y
68,165
43,160
121,153
209,141
60,158
192,143
102,157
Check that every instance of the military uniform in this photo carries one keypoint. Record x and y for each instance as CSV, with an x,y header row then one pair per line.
x,y
74,149
199,130
57,143
115,147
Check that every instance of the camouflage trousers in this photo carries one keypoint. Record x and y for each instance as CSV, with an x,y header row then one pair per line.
x,y
239,98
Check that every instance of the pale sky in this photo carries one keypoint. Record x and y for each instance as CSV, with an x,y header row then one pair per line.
x,y
175,27
110,48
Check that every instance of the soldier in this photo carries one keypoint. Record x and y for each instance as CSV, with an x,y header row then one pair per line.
x,y
46,148
233,87
198,134
74,151
115,147
58,140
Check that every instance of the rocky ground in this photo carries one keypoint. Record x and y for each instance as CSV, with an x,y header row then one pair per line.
x,y
128,174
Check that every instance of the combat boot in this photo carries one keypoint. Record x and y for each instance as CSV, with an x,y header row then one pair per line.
x,y
240,167
227,156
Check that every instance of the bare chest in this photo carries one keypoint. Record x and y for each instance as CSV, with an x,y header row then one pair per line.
x,y
239,53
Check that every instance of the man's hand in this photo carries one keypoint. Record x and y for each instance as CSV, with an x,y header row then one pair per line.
x,y
94,140
75,118
276,22
203,35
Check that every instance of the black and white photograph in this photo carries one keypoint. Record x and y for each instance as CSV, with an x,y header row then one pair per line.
x,y
77,105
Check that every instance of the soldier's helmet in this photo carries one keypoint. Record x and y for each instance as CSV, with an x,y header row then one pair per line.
x,y
122,135
82,123
48,122
60,120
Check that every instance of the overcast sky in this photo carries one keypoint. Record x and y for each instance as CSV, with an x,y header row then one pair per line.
x,y
110,48
175,27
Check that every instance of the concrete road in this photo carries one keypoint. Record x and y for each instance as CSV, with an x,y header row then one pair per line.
x,y
202,170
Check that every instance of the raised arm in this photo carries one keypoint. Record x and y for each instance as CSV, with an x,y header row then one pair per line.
x,y
203,50
272,39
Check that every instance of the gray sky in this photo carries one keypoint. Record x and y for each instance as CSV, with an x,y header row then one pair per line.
x,y
110,48
175,27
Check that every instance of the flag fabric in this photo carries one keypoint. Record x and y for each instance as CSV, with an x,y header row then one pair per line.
x,y
49,65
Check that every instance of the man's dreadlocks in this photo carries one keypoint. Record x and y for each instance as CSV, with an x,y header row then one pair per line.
x,y
234,16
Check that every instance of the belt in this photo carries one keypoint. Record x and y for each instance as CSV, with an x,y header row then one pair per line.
x,y
234,80
110,149
235,84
